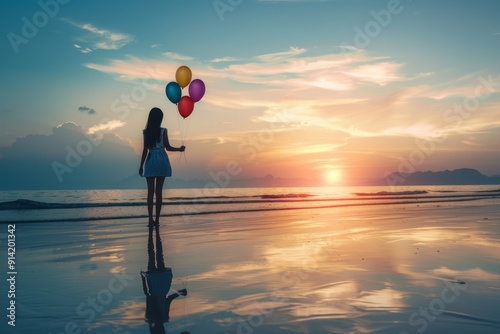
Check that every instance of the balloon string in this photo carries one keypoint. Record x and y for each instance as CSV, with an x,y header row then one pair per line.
x,y
187,128
184,135
179,159
183,132
180,131
180,126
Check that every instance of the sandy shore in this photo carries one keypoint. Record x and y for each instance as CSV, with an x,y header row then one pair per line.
x,y
379,269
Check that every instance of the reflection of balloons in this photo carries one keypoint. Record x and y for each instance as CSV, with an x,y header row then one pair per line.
x,y
185,106
196,90
173,91
183,76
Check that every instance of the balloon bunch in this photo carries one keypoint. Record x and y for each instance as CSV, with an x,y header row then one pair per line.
x,y
185,104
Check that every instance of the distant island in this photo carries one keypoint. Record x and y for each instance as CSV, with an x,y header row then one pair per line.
x,y
462,176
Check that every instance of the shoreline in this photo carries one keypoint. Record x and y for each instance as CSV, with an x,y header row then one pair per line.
x,y
401,201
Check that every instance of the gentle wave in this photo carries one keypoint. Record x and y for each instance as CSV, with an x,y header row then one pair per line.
x,y
291,195
393,193
434,199
24,204
488,191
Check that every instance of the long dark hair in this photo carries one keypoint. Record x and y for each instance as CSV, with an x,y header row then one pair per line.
x,y
152,131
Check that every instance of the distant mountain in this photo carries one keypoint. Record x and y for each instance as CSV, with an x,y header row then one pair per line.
x,y
463,176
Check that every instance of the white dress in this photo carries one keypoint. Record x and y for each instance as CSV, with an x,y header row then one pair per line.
x,y
157,162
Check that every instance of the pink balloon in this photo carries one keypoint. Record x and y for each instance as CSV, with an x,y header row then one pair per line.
x,y
196,90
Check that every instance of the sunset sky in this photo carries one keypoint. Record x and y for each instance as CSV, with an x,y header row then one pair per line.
x,y
336,90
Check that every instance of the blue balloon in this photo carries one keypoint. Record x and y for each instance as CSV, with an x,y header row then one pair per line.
x,y
173,91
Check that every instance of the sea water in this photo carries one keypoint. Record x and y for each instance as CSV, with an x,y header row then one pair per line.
x,y
38,206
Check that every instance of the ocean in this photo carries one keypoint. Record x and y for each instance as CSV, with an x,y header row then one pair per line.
x,y
39,206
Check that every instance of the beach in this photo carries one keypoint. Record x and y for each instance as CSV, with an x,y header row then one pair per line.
x,y
398,268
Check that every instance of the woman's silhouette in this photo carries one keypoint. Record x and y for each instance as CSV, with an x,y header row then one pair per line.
x,y
156,282
155,165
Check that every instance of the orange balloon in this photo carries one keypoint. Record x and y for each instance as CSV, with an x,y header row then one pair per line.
x,y
183,76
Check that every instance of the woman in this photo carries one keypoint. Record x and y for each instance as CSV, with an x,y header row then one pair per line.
x,y
155,165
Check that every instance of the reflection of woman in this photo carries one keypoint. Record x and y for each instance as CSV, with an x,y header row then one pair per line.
x,y
156,282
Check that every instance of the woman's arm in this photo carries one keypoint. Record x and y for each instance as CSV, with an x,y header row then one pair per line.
x,y
143,157
169,147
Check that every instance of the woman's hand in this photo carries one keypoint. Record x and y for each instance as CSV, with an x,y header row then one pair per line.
x,y
182,148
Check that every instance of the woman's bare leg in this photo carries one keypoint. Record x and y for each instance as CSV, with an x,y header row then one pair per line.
x,y
159,196
151,190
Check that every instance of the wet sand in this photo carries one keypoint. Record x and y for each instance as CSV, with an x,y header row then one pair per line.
x,y
430,268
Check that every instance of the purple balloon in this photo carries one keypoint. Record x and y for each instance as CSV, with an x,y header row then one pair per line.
x,y
196,90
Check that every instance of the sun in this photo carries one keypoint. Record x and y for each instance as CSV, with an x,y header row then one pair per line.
x,y
333,176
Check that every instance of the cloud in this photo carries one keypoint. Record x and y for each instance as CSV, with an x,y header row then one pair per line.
x,y
110,125
100,39
82,49
223,59
324,91
363,96
176,56
380,73
86,109
286,70
149,74
480,85
272,57
68,158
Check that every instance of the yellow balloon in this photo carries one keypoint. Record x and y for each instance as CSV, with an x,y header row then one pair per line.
x,y
183,76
